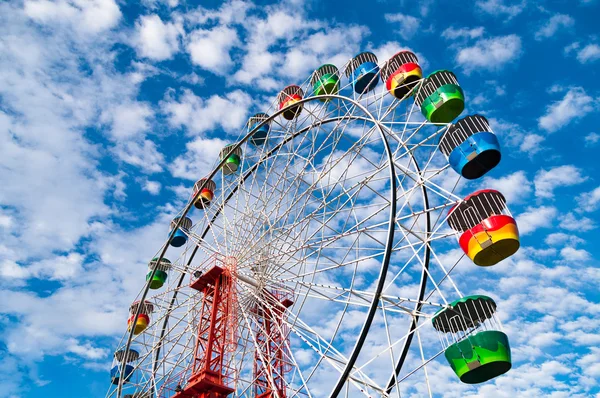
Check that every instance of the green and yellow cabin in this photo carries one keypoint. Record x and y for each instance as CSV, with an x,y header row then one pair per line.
x,y
474,344
325,80
440,97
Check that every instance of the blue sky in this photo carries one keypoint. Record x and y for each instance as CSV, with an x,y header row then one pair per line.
x,y
109,111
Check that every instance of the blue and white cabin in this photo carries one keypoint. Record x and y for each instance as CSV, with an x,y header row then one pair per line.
x,y
363,72
115,372
180,236
471,147
260,136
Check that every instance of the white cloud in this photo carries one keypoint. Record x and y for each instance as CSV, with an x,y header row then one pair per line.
x,y
94,16
209,49
453,33
515,187
57,268
193,78
490,54
592,139
54,83
515,136
560,239
386,50
200,115
574,105
333,45
571,47
199,159
230,12
155,39
86,350
6,220
531,143
288,46
128,120
299,63
589,201
572,254
142,154
589,53
572,223
493,88
498,7
10,269
535,218
553,24
152,187
590,363
406,25
562,176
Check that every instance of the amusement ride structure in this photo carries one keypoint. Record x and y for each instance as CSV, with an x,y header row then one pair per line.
x,y
315,259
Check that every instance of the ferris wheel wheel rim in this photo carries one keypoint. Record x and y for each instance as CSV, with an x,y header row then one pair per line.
x,y
391,228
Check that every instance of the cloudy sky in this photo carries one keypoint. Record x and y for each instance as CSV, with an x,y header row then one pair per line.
x,y
110,110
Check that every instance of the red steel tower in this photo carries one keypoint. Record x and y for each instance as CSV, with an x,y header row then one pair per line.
x,y
211,376
271,358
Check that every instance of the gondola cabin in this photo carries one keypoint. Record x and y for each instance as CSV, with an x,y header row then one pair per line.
x,y
440,97
474,344
161,274
471,147
486,231
363,72
260,133
206,188
117,371
180,236
325,80
401,74
143,319
232,157
286,100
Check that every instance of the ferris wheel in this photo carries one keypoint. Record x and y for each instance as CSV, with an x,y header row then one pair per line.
x,y
313,259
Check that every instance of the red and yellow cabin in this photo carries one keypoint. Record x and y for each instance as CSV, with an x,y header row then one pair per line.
x,y
143,319
487,232
286,100
401,74
140,325
207,193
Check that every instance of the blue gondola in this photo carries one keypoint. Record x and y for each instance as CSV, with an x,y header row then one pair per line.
x,y
260,136
115,371
471,147
180,236
363,72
